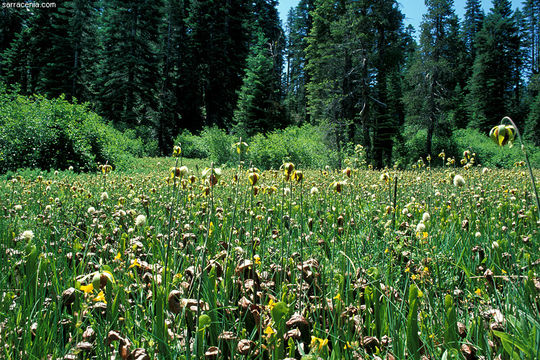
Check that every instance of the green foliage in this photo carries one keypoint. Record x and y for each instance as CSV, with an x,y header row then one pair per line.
x,y
217,144
489,154
192,145
54,134
303,146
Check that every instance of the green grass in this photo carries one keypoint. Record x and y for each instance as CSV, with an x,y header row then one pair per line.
x,y
352,276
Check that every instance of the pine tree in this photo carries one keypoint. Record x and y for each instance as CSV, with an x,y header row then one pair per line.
x,y
435,72
126,87
495,82
299,23
11,24
354,48
220,43
472,24
179,98
258,110
531,12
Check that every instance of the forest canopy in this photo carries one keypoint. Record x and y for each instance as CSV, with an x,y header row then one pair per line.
x,y
349,69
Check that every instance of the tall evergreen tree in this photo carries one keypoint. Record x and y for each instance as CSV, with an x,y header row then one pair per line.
x,y
220,40
258,110
495,82
179,99
353,47
531,13
11,24
435,72
128,66
299,23
472,24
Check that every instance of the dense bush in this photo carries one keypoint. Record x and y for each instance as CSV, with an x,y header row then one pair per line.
x,y
304,146
489,154
36,132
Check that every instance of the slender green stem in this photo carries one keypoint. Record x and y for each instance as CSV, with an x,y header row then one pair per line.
x,y
527,162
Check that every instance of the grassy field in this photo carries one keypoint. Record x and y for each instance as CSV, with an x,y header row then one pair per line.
x,y
311,264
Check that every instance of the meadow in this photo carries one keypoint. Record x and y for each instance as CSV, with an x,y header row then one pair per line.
x,y
183,259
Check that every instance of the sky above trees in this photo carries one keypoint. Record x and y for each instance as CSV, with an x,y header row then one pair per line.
x,y
413,9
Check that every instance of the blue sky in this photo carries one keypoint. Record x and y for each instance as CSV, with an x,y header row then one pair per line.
x,y
412,9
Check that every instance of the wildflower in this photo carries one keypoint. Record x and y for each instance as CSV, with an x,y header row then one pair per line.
x,y
314,191
27,235
87,288
337,297
140,220
253,178
17,207
478,291
257,259
241,147
459,181
338,186
134,263
425,217
421,227
91,210
104,196
288,170
286,191
177,150
385,177
477,234
321,343
183,171
271,304
347,172
502,135
48,208
70,168
298,176
269,330
212,174
118,256
100,297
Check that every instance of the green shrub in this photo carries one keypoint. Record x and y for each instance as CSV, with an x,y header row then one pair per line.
x,y
192,145
415,148
217,144
304,146
489,154
36,132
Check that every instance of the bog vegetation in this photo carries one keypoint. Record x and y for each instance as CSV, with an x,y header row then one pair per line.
x,y
169,260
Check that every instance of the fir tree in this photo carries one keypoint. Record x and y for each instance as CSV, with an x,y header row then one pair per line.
x,y
127,71
435,72
495,81
258,110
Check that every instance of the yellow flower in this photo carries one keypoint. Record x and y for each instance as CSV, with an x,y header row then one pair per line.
x,y
177,150
269,330
478,292
257,259
337,297
135,263
100,297
118,256
253,178
87,288
407,270
271,304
